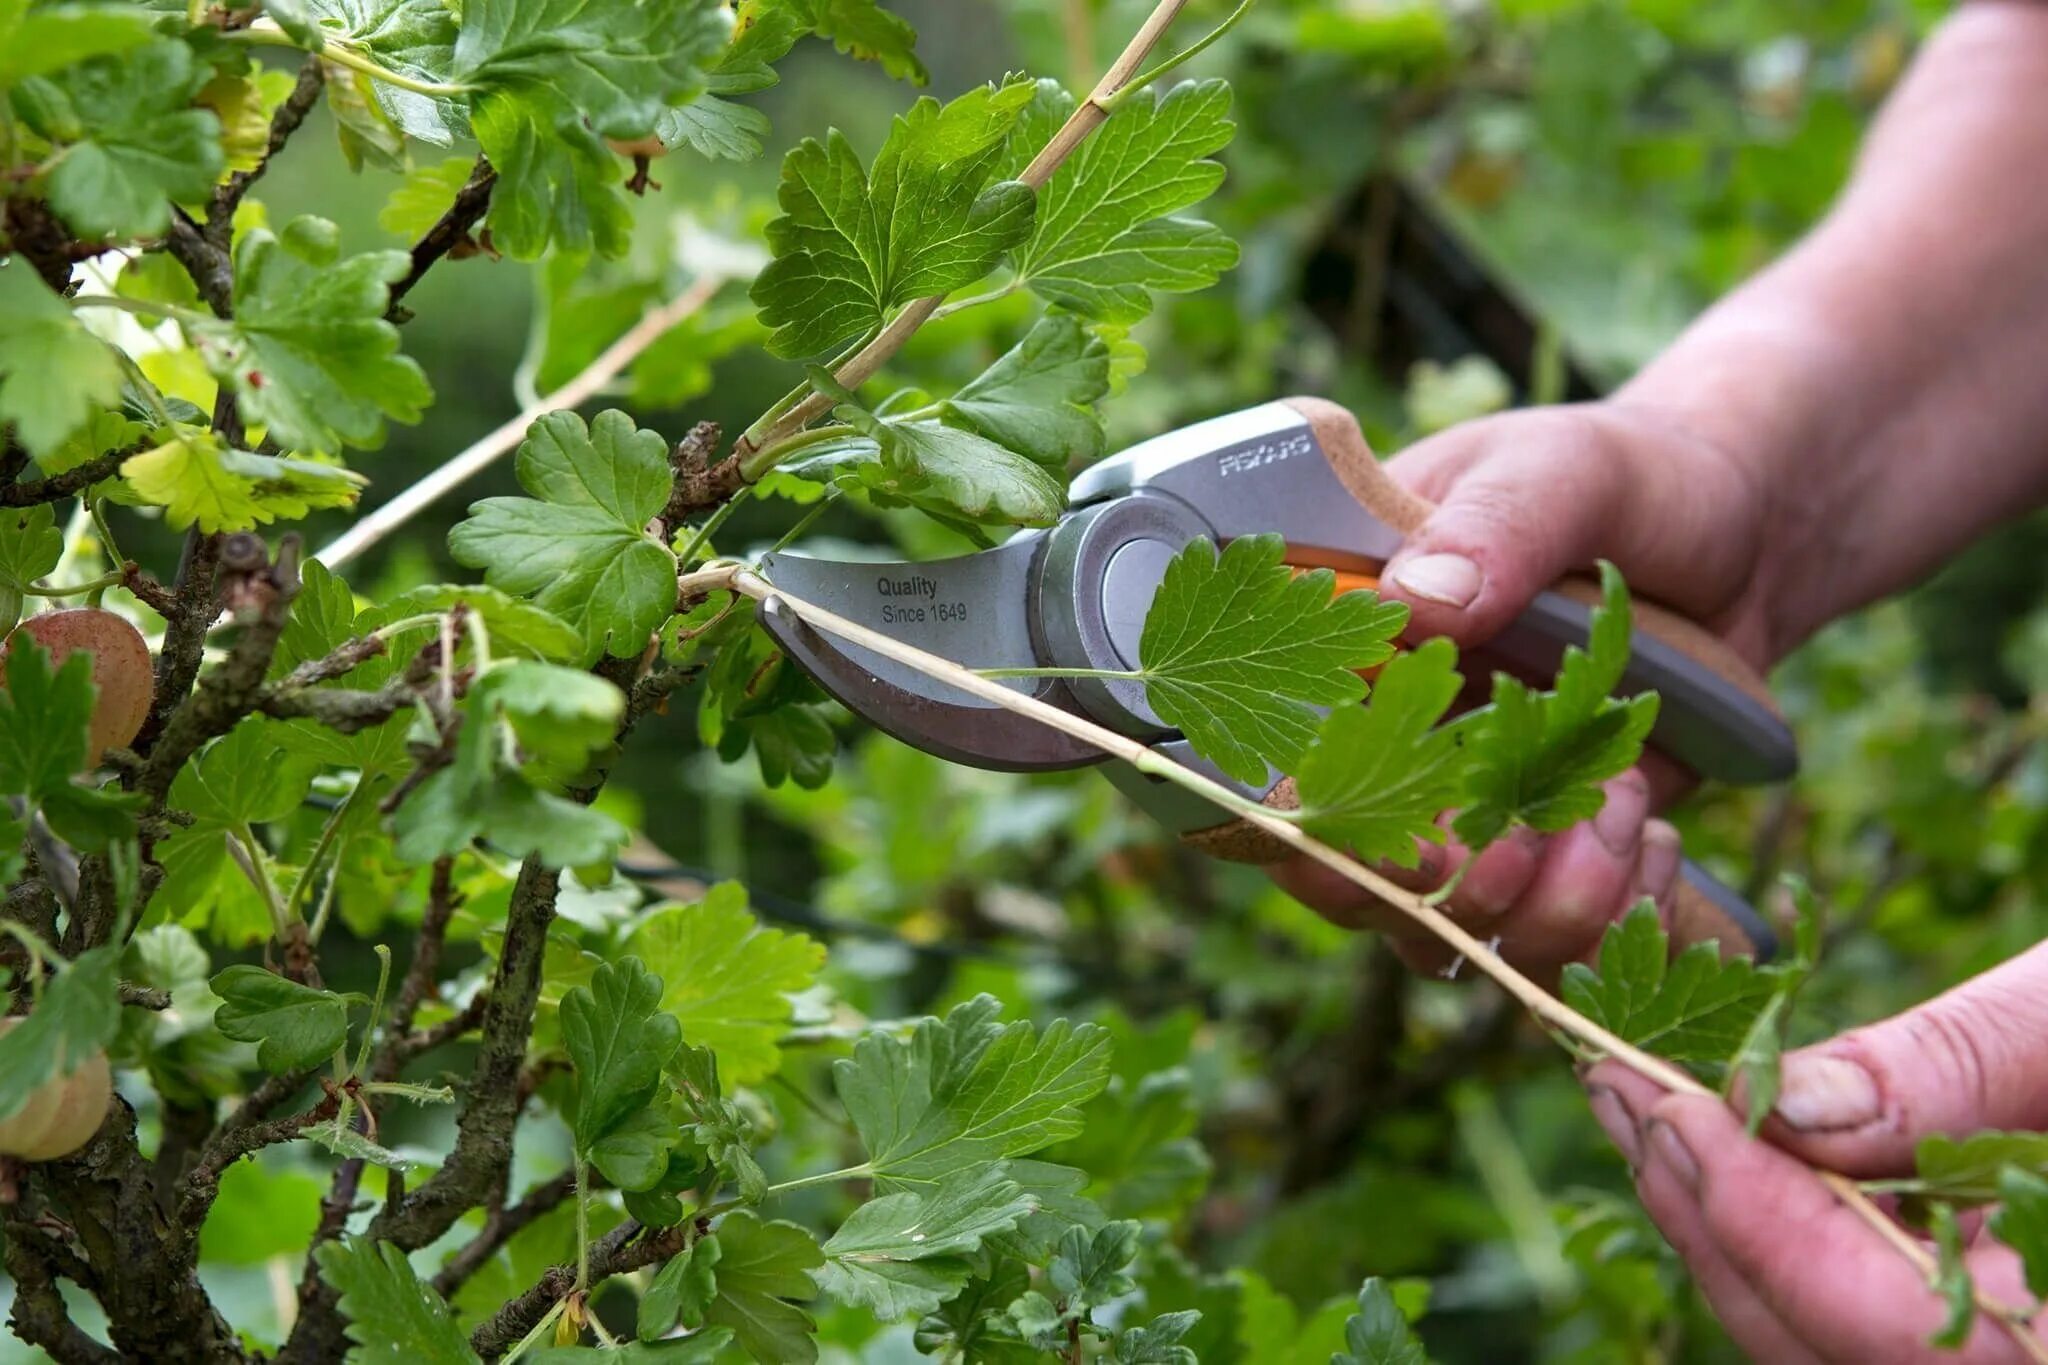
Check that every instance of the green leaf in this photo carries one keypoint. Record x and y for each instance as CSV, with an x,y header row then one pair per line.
x,y
715,128
54,374
556,77
760,1267
134,144
558,184
2021,1222
1091,1268
1238,650
247,777
618,66
51,37
720,1126
393,1318
699,1348
726,979
423,196
1759,1060
1139,1149
1378,776
973,1325
199,479
1378,1334
350,1145
515,625
30,546
414,38
1038,398
908,1253
78,1016
308,352
1106,239
619,1041
943,470
1539,758
1951,1279
852,244
682,1291
1967,1170
578,546
862,29
1158,1341
966,1091
45,718
559,717
1697,1008
294,1027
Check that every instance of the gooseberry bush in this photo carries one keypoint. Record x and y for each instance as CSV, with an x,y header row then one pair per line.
x,y
216,765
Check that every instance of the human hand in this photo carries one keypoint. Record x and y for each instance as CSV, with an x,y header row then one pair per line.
x,y
1794,1276
1521,500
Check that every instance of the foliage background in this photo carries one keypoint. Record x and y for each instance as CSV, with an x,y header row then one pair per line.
x,y
1294,1113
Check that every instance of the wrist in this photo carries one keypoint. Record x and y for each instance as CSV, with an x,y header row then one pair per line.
x,y
1765,406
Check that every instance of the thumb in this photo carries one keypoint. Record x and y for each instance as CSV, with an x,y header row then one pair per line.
x,y
1974,1058
1519,504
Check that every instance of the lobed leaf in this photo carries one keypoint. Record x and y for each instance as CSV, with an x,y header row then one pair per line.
x,y
967,1090
54,374
578,546
1378,775
1539,758
761,1266
1106,239
1696,1008
1238,650
308,352
293,1026
393,1318
726,979
853,243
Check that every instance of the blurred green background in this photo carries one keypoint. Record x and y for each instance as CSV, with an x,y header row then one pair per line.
x,y
1297,1112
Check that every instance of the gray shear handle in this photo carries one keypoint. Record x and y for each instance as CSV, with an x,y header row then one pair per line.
x,y
1717,717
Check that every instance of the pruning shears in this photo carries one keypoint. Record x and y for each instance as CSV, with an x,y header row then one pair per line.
x,y
1075,595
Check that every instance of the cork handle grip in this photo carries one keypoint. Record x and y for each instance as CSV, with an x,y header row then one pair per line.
x,y
1701,908
1360,472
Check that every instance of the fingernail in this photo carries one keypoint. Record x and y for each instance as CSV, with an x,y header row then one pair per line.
x,y
1615,1121
1451,580
1619,824
1821,1094
1657,865
1672,1151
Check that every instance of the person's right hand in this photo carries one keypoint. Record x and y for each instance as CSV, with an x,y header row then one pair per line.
x,y
1521,500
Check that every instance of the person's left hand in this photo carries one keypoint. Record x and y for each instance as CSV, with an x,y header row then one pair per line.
x,y
1795,1277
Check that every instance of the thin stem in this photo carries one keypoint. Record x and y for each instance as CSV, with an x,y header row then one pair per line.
x,y
480,455
582,1224
100,584
262,35
376,1009
1186,54
977,300
525,1343
249,857
1532,997
1114,674
805,522
182,316
328,831
1086,118
803,390
752,467
860,1172
702,538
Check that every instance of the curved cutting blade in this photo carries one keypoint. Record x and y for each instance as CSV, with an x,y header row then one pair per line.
x,y
974,610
